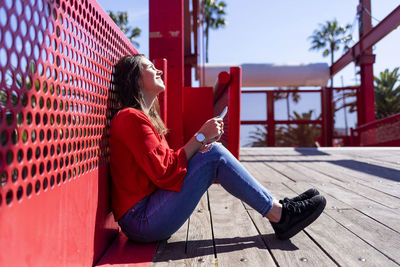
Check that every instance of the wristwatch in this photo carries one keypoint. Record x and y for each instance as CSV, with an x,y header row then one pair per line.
x,y
200,138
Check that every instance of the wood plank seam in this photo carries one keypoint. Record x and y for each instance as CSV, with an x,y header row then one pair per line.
x,y
212,229
361,238
262,238
365,185
279,172
321,247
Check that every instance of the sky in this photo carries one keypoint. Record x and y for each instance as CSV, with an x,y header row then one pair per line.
x,y
264,31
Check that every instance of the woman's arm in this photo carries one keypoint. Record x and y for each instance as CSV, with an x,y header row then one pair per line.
x,y
212,130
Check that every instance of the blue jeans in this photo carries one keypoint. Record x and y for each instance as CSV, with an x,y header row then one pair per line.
x,y
162,213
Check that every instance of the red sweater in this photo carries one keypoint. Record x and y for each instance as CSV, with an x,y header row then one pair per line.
x,y
141,161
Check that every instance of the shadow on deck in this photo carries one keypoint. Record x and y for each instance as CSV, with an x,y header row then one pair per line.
x,y
360,225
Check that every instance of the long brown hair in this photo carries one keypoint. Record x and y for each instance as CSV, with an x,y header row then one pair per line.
x,y
128,88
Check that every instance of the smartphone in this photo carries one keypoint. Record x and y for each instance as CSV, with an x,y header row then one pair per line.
x,y
223,113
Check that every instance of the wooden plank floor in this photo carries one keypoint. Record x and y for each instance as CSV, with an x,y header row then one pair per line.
x,y
359,227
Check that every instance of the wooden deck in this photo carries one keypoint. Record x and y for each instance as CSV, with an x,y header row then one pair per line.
x,y
359,227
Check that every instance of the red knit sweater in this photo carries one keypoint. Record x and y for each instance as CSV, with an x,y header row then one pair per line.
x,y
141,161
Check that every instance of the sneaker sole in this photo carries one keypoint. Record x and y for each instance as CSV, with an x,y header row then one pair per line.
x,y
304,223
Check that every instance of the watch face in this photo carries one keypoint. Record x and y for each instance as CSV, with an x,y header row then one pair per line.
x,y
200,137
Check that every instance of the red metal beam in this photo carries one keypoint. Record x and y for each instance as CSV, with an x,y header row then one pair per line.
x,y
280,91
388,24
282,122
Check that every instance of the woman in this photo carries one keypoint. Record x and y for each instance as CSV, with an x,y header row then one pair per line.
x,y
155,188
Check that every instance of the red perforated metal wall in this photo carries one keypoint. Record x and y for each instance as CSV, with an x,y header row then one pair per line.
x,y
56,63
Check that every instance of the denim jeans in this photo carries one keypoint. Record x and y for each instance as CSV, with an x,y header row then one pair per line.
x,y
159,215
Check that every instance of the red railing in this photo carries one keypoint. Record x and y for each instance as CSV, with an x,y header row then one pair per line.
x,y
227,92
384,132
327,133
271,122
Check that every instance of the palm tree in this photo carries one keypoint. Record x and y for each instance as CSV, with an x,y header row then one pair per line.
x,y
121,19
213,17
387,97
259,136
286,95
330,37
302,135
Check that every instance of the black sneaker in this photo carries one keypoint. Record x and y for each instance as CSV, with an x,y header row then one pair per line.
x,y
298,215
303,196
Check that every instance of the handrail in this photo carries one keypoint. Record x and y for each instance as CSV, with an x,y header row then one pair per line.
x,y
248,122
227,93
284,91
383,132
221,84
377,122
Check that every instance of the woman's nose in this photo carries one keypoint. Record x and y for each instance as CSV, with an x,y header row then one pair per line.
x,y
159,72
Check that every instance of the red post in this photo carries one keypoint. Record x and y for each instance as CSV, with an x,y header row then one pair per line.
x,y
366,61
327,117
270,120
166,41
323,130
161,64
234,110
187,45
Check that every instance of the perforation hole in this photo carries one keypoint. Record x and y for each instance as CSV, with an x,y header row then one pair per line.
x,y
20,193
29,190
45,184
9,197
37,187
24,173
3,178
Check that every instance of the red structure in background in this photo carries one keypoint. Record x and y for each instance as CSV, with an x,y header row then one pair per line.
x,y
368,132
361,54
166,41
56,102
174,36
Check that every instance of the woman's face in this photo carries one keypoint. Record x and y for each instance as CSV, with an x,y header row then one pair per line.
x,y
151,77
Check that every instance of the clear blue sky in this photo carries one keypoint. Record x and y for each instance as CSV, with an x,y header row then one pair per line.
x,y
276,32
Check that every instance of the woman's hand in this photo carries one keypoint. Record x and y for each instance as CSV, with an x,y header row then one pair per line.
x,y
212,129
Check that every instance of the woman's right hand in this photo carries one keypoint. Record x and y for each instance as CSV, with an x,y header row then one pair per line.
x,y
212,129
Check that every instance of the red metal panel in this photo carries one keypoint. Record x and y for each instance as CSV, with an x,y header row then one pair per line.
x,y
166,41
56,66
126,253
161,64
195,112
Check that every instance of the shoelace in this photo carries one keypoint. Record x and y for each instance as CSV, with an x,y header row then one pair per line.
x,y
296,207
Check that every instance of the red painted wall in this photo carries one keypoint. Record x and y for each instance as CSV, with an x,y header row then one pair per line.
x,y
166,41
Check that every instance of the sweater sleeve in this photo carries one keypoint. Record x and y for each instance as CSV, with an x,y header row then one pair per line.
x,y
165,167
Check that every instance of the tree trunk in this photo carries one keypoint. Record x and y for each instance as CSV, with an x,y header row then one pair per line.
x,y
206,33
332,47
287,106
